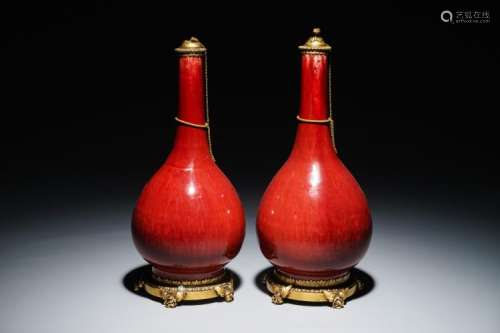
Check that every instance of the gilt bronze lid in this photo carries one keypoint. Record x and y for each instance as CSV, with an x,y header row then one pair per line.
x,y
315,43
191,46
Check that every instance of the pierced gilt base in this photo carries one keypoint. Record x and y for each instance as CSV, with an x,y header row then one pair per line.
x,y
172,292
335,291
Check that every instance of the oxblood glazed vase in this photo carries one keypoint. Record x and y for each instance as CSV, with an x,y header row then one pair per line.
x,y
313,222
189,222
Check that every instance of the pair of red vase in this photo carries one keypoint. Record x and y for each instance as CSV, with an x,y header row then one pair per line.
x,y
313,222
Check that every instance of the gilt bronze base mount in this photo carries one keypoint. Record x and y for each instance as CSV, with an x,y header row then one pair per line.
x,y
172,292
334,291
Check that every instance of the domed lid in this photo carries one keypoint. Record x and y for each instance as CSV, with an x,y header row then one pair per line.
x,y
315,43
191,46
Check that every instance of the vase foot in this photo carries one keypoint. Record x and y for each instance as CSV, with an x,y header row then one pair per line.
x,y
334,291
173,292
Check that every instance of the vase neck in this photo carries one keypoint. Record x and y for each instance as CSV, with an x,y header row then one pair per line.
x,y
191,143
314,105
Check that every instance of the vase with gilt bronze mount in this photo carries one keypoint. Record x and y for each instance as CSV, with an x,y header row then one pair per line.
x,y
189,222
313,222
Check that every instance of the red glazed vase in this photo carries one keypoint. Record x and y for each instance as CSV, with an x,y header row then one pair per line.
x,y
313,221
189,222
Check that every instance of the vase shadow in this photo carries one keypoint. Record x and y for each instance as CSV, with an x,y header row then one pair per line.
x,y
358,274
130,279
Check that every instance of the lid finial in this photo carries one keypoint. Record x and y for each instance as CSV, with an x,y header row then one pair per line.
x,y
315,43
191,46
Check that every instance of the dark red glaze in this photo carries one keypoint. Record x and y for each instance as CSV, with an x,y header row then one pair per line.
x,y
189,222
313,221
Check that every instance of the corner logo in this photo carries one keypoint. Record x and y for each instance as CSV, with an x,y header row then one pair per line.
x,y
446,16
466,16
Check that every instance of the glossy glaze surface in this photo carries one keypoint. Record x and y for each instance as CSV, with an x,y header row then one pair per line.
x,y
313,220
189,222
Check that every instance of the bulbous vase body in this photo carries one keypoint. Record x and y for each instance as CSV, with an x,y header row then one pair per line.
x,y
313,221
189,222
